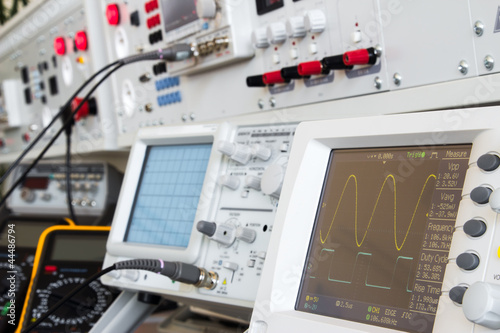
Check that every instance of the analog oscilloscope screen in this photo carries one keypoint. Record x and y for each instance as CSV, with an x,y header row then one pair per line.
x,y
167,195
382,234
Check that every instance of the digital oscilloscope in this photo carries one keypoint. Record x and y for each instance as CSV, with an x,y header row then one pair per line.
x,y
387,222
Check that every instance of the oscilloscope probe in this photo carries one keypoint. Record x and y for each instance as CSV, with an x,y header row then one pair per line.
x,y
176,271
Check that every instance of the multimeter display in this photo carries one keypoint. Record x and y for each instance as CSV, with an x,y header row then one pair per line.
x,y
16,265
69,257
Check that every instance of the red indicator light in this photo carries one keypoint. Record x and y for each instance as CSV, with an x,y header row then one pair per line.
x,y
113,14
273,77
50,269
81,40
310,68
60,46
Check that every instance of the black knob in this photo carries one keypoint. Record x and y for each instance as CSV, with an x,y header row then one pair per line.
x,y
206,228
475,228
481,195
488,162
457,294
468,261
255,81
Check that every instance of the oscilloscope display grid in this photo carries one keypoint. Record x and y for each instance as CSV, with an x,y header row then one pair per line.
x,y
382,233
167,195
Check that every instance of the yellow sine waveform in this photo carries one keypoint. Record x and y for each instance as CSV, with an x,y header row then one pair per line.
x,y
359,243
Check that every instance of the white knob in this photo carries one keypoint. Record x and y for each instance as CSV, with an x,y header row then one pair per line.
x,y
295,27
242,155
229,181
315,21
225,234
252,182
272,180
226,147
239,153
259,38
246,234
261,152
27,195
276,33
206,8
481,304
494,200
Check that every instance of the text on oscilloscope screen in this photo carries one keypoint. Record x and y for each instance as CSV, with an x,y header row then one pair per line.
x,y
382,235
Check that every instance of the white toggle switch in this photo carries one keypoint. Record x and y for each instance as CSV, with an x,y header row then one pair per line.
x,y
232,266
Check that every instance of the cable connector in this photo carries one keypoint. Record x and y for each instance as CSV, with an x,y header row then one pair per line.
x,y
177,52
177,271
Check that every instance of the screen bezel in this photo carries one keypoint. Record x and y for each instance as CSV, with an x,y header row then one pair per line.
x,y
117,246
304,181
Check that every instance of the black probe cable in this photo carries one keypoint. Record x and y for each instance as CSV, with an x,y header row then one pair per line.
x,y
176,271
69,195
55,137
176,52
45,129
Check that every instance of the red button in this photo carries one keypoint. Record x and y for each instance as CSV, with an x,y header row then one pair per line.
x,y
81,40
50,269
310,68
60,45
113,14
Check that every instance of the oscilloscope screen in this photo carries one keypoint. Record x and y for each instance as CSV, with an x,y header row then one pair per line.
x,y
168,194
382,234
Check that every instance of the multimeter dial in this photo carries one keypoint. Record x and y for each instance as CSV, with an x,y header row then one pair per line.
x,y
83,308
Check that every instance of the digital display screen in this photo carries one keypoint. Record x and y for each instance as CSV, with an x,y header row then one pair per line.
x,y
266,6
77,248
382,235
177,13
36,183
168,193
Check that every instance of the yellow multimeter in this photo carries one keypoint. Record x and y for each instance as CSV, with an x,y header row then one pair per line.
x,y
18,242
65,258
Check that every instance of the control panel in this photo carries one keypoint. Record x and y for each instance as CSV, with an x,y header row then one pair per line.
x,y
239,234
94,185
221,219
388,226
44,59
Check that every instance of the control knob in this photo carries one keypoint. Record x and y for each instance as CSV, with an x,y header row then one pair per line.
x,y
272,180
206,8
488,162
239,153
224,234
295,27
276,33
27,194
481,304
246,234
253,182
315,21
261,152
259,38
229,181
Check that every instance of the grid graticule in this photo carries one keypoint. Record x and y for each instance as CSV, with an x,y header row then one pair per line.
x,y
168,195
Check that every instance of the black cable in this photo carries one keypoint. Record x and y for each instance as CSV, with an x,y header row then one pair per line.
x,y
46,128
68,178
54,138
176,52
67,297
